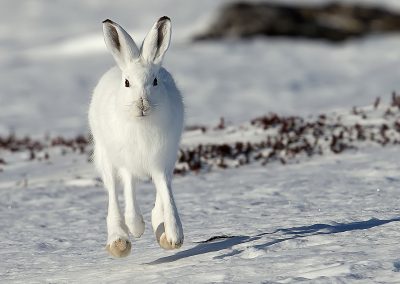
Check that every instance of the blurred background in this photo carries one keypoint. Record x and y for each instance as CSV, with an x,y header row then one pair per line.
x,y
52,54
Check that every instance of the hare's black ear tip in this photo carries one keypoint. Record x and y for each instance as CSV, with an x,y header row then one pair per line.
x,y
108,21
164,18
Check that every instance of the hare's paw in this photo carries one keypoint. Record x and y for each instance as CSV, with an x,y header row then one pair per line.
x,y
135,225
118,246
170,244
170,238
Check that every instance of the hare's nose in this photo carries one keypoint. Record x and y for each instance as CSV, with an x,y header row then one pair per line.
x,y
143,104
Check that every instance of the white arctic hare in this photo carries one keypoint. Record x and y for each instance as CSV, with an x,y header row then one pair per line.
x,y
136,119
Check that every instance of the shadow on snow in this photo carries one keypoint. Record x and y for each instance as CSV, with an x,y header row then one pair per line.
x,y
218,243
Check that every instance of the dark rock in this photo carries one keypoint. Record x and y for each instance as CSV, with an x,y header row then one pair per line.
x,y
332,22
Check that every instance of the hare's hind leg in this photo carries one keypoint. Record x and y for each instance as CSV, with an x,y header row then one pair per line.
x,y
166,223
118,244
157,219
133,217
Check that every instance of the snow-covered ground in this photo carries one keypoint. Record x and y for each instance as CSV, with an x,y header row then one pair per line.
x,y
334,219
326,219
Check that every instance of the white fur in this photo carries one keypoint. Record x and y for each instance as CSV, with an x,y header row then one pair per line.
x,y
136,130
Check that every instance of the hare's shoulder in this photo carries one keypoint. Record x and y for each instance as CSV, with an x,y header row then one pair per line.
x,y
170,86
167,79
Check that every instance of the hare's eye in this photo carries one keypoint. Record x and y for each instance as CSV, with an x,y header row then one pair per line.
x,y
155,83
127,83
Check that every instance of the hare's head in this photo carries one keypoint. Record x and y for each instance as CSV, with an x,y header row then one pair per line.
x,y
141,90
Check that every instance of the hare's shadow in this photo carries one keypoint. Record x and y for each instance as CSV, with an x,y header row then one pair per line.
x,y
219,243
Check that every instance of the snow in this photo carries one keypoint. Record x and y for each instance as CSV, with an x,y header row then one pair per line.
x,y
333,218
325,219
50,66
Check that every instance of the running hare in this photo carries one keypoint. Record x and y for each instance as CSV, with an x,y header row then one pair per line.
x,y
136,119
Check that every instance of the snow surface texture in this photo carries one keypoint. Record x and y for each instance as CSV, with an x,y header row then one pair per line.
x,y
333,218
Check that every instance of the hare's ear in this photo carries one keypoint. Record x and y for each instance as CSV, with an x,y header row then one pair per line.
x,y
119,43
157,41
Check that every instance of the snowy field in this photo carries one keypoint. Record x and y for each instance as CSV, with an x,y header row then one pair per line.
x,y
334,219
326,219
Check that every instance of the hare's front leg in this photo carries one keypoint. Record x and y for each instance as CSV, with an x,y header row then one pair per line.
x,y
166,223
118,243
133,217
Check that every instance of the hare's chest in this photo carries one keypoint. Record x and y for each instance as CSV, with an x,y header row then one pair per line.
x,y
138,150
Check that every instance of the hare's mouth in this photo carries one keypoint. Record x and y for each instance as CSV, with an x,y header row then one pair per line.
x,y
142,114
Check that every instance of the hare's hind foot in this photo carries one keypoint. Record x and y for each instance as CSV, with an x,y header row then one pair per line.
x,y
162,239
167,245
119,248
168,237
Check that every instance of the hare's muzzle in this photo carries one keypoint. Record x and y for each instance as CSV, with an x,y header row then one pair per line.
x,y
143,106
